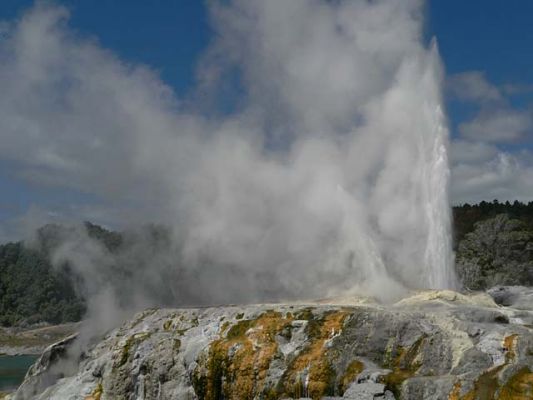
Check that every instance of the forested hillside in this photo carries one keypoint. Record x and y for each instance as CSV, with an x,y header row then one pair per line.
x,y
493,241
31,291
465,216
34,291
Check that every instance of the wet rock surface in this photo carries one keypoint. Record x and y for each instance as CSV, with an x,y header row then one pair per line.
x,y
431,345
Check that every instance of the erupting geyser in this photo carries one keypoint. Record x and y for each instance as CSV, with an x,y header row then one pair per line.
x,y
328,174
356,199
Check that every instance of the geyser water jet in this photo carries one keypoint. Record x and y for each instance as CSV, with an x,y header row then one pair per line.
x,y
439,256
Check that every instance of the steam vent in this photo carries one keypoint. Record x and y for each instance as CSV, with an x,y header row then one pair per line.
x,y
431,345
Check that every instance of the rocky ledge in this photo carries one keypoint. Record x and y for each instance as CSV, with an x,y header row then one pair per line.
x,y
33,340
431,345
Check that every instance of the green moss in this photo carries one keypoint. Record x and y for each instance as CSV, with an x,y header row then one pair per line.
x,y
239,316
124,355
199,383
142,316
286,333
349,376
236,365
224,327
321,380
297,389
216,367
404,365
209,386
271,394
305,314
167,324
194,321
313,364
313,323
519,386
487,384
131,342
239,329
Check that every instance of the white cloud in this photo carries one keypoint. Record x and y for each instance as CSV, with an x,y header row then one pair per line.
x,y
466,152
512,89
481,169
473,86
499,125
504,176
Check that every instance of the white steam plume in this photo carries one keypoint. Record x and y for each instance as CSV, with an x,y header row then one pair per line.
x,y
328,176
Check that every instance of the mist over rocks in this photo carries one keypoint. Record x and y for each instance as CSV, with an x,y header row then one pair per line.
x,y
141,266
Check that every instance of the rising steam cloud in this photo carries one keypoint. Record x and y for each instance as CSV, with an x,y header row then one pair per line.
x,y
328,175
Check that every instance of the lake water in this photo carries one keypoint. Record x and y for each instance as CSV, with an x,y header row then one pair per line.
x,y
13,369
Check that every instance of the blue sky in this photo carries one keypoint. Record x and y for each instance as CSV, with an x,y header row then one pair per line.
x,y
168,38
489,36
167,35
481,35
486,35
489,39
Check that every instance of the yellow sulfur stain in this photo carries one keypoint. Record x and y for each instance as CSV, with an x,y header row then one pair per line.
x,y
96,394
488,386
237,364
404,365
321,375
456,391
519,386
241,375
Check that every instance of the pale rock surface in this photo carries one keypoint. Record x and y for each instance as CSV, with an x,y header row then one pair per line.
x,y
431,345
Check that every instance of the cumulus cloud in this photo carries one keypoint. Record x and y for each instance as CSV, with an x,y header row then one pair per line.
x,y
511,89
505,176
464,151
483,171
473,86
500,125
496,120
329,176
484,166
